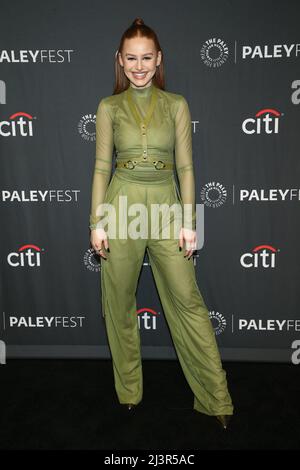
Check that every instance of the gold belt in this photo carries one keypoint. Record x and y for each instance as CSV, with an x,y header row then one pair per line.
x,y
131,163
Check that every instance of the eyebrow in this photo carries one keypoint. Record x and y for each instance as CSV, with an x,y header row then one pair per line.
x,y
149,53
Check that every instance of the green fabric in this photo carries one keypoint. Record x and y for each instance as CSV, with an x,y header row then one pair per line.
x,y
183,305
167,134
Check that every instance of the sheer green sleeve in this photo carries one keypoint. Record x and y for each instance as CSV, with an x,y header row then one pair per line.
x,y
103,162
184,161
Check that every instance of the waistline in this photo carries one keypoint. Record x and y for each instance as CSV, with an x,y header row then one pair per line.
x,y
145,177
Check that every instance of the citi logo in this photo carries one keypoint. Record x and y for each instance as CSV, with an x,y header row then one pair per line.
x,y
27,255
266,121
262,256
19,124
147,318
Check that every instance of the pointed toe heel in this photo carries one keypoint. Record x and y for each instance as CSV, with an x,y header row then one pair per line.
x,y
129,406
223,420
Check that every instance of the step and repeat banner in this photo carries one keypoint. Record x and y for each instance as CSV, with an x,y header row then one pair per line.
x,y
238,65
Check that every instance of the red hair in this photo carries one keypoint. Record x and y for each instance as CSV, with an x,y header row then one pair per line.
x,y
138,29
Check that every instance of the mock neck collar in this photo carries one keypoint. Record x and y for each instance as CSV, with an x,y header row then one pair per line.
x,y
141,92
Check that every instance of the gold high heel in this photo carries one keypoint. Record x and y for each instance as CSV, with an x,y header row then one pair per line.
x,y
224,420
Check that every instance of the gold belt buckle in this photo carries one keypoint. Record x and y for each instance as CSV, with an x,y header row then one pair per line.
x,y
130,164
157,166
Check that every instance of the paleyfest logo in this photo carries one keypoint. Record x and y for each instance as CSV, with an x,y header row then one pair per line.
x,y
214,52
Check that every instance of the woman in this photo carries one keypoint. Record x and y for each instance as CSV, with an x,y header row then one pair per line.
x,y
146,124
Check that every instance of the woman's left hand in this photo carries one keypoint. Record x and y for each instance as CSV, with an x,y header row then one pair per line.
x,y
189,237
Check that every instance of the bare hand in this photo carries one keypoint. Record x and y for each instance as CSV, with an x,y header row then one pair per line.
x,y
99,241
189,237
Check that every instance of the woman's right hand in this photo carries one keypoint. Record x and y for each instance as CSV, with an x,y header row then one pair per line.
x,y
99,241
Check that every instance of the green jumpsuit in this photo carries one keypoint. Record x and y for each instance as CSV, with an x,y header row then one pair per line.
x,y
151,131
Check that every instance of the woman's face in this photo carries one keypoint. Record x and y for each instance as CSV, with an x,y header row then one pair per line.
x,y
139,60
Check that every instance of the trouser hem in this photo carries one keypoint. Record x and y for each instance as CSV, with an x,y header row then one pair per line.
x,y
226,410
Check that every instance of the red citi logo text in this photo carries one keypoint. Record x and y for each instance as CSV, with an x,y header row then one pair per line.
x,y
262,256
27,255
147,318
266,121
18,124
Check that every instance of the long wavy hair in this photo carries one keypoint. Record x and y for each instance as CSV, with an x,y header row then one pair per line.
x,y
138,29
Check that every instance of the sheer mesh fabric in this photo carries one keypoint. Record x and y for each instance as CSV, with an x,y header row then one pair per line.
x,y
184,160
182,146
103,162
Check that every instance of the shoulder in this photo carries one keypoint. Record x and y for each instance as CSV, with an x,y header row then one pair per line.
x,y
108,104
175,100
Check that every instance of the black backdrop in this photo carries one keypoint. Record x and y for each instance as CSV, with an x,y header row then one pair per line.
x,y
237,64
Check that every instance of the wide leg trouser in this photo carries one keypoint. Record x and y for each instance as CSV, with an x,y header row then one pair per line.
x,y
184,308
